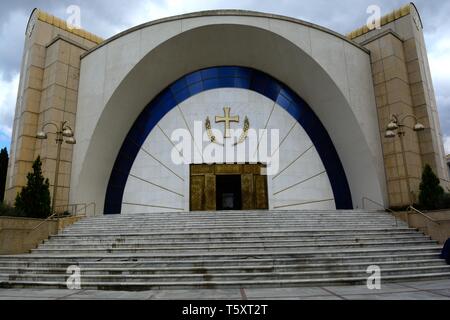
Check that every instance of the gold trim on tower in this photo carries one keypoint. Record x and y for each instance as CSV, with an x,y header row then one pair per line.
x,y
59,23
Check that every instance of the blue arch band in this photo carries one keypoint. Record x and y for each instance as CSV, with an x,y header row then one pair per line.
x,y
226,77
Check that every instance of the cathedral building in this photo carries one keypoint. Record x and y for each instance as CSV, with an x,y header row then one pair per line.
x,y
227,149
228,109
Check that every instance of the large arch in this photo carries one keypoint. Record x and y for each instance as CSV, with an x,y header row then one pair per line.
x,y
225,77
225,44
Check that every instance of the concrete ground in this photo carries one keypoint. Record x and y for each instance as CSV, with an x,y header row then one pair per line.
x,y
423,290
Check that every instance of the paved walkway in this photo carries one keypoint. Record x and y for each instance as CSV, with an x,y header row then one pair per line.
x,y
424,290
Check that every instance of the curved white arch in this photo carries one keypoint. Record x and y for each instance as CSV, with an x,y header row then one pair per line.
x,y
330,74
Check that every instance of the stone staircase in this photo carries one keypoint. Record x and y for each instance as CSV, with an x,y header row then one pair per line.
x,y
228,250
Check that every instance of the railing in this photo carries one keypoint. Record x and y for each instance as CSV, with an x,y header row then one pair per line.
x,y
76,209
392,212
411,208
74,212
43,222
79,209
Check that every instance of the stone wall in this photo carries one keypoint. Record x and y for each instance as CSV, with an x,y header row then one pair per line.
x,y
439,231
20,235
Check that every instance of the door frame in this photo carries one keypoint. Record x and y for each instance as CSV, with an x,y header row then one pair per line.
x,y
202,185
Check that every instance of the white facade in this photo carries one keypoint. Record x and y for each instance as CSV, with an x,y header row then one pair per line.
x,y
119,78
157,184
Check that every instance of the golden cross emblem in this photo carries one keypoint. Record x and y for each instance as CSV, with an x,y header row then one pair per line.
x,y
227,119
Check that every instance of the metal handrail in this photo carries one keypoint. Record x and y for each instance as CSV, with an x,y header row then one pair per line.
x,y
411,208
40,224
84,206
55,214
381,206
93,204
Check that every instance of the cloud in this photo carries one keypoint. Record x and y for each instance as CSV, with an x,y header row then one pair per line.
x,y
8,96
447,144
153,10
439,59
12,36
108,17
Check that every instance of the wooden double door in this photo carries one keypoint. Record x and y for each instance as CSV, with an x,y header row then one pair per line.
x,y
228,187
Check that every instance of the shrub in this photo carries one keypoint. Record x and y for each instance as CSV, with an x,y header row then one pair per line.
x,y
8,211
431,193
34,199
3,171
445,201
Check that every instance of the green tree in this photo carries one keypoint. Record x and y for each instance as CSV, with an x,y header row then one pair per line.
x,y
3,171
34,199
431,193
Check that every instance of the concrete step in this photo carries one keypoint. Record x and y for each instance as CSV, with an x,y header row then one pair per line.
x,y
126,242
88,222
217,277
234,233
243,214
231,255
219,228
144,286
234,224
256,245
245,261
247,213
208,237
224,218
222,269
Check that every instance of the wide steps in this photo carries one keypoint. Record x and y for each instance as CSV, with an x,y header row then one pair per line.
x,y
228,250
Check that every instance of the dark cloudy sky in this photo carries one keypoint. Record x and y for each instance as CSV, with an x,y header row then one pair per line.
x,y
108,17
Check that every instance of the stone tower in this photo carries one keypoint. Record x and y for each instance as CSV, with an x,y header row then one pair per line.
x,y
47,93
403,85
